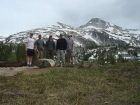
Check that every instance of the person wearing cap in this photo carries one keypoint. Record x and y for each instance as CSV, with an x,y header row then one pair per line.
x,y
61,46
50,48
29,47
70,48
39,47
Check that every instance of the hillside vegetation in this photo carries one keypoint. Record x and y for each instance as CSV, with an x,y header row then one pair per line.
x,y
117,84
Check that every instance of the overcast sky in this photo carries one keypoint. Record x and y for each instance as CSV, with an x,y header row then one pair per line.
x,y
22,15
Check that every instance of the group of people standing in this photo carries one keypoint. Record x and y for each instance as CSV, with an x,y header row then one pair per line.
x,y
62,47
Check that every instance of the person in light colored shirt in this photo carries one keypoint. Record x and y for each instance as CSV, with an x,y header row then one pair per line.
x,y
29,47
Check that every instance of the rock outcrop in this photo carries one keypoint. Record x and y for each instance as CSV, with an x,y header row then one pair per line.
x,y
45,63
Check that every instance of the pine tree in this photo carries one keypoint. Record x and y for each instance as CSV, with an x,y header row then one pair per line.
x,y
20,52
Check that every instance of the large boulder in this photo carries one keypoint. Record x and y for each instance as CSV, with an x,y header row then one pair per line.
x,y
45,63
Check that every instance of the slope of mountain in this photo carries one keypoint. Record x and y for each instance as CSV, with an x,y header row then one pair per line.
x,y
96,31
129,36
2,38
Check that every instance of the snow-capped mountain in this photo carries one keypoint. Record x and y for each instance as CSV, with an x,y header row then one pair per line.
x,y
2,38
96,31
112,31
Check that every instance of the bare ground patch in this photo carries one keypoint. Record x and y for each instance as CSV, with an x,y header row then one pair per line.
x,y
11,71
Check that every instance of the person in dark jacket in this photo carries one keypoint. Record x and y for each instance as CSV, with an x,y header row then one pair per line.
x,y
50,48
61,46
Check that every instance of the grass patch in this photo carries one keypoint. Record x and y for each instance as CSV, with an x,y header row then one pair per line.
x,y
109,84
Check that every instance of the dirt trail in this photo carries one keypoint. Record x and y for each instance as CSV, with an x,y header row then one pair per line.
x,y
11,71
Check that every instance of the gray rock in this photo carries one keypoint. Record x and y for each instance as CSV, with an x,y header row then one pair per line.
x,y
45,63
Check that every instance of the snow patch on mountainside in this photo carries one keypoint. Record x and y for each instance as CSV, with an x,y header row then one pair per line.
x,y
95,30
2,38
87,36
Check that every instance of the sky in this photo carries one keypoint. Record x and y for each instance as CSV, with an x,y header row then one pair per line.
x,y
22,15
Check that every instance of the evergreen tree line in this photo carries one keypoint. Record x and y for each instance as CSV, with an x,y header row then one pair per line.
x,y
104,56
12,52
16,53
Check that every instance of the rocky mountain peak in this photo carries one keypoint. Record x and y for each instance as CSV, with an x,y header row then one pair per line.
x,y
101,24
96,22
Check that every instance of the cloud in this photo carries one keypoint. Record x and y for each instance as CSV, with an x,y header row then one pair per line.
x,y
19,15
